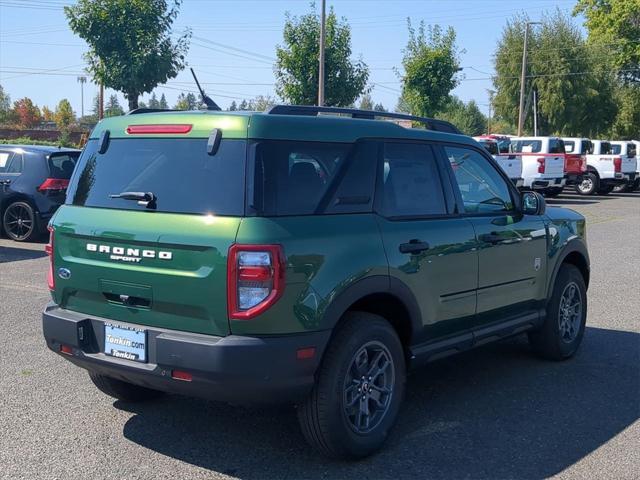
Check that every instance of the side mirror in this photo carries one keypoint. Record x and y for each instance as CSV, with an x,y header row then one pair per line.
x,y
533,203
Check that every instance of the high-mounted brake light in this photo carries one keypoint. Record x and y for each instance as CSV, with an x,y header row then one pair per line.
x,y
255,279
158,129
48,248
541,165
617,164
54,184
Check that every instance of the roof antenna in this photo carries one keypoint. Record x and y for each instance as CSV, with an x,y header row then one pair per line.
x,y
211,105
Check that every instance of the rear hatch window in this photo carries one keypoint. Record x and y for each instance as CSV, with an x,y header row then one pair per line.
x,y
61,165
179,172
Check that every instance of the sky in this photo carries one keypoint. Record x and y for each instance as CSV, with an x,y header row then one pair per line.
x,y
41,58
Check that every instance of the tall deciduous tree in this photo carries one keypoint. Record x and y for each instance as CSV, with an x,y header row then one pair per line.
x,y
47,114
574,82
130,44
5,106
614,25
64,115
27,113
430,63
297,66
466,116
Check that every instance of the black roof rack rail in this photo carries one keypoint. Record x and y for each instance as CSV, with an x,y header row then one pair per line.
x,y
149,110
312,110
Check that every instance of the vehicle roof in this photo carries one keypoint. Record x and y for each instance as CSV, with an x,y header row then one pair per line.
x,y
576,139
534,138
258,125
485,139
620,141
38,148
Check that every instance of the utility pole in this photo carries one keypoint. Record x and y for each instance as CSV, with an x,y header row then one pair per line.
x,y
82,80
101,103
322,41
535,113
523,75
491,94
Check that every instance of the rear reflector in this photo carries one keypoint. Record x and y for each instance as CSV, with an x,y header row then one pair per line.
x,y
180,375
54,184
306,353
66,349
158,129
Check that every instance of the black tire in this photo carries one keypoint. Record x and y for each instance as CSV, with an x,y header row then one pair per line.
x,y
553,192
551,341
127,392
621,188
635,185
324,416
589,184
20,222
605,189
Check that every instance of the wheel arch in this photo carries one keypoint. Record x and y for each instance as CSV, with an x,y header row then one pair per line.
x,y
575,253
385,296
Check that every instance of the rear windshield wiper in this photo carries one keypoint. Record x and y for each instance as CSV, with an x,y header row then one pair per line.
x,y
145,199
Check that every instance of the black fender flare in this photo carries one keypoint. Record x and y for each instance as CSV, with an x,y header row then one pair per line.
x,y
374,284
575,245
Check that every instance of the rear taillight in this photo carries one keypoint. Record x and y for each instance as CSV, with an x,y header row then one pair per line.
x,y
54,184
617,164
255,279
541,165
48,248
583,163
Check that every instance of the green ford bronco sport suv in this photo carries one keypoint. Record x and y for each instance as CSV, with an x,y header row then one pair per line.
x,y
298,257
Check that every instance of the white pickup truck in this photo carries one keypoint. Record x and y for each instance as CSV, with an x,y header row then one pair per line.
x,y
628,151
604,169
542,163
636,184
511,164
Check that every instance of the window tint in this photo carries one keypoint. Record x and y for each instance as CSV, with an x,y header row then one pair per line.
x,y
556,146
177,171
4,160
61,164
569,146
491,147
482,188
411,184
291,178
587,147
526,146
15,165
616,149
605,148
631,150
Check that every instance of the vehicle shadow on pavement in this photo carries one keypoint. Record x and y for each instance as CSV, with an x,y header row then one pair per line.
x,y
495,412
11,254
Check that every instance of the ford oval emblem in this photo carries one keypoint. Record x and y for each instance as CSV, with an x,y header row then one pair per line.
x,y
64,273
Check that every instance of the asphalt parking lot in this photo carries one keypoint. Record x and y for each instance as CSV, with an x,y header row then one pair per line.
x,y
496,412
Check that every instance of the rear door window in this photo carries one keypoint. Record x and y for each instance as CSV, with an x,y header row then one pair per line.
x,y
15,165
526,146
616,149
179,172
556,145
569,146
5,157
411,185
61,165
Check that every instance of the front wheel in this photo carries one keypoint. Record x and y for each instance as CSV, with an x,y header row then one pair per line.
x,y
561,334
358,391
588,185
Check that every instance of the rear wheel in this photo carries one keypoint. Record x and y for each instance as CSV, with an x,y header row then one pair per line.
x,y
358,391
19,222
127,392
588,185
562,331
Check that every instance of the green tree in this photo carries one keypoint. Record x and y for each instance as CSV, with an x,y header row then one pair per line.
x,y
47,114
153,101
366,102
244,105
186,102
64,115
614,25
233,107
113,108
27,113
378,107
297,67
131,48
5,106
627,122
466,116
262,103
163,102
141,104
430,63
574,82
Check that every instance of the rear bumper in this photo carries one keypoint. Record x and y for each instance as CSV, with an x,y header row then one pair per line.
x,y
543,183
234,369
619,179
573,178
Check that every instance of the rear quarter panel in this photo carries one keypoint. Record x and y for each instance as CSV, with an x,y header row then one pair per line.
x,y
325,255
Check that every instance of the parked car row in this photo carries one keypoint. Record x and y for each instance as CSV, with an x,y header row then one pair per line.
x,y
548,164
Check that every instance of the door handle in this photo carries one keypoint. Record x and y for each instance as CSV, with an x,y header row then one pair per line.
x,y
414,246
492,238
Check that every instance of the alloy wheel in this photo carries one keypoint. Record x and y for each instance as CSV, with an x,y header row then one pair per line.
x,y
570,313
18,221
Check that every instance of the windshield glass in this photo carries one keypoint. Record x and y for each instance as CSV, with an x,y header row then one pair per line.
x,y
179,172
526,146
